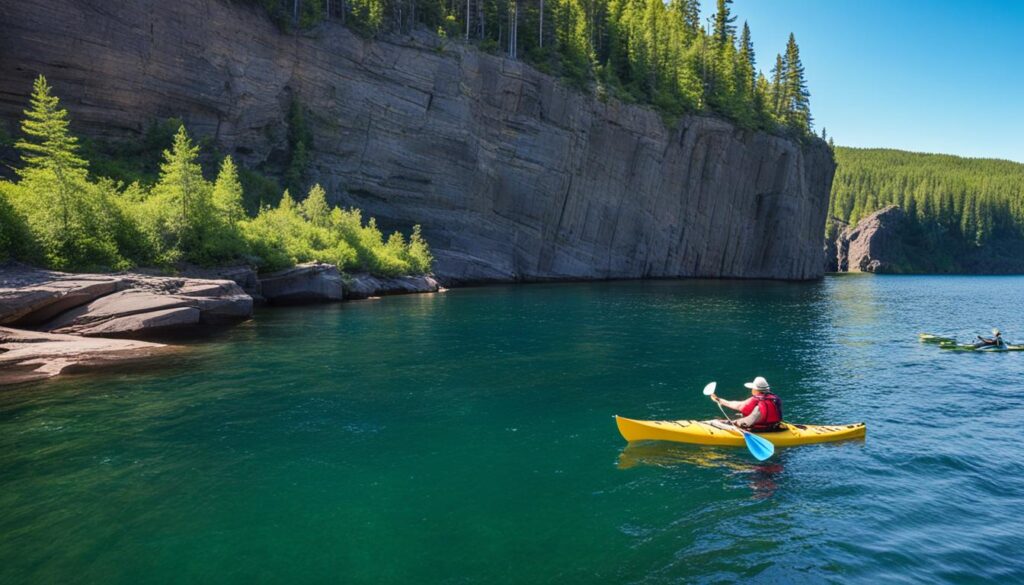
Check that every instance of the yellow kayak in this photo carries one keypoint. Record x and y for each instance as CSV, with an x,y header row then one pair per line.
x,y
709,432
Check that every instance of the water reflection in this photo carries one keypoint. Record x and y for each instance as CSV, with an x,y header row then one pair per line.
x,y
761,477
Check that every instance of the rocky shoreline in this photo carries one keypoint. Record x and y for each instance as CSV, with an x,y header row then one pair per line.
x,y
54,322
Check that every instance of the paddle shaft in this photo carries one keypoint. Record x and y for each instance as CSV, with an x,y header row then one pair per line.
x,y
728,418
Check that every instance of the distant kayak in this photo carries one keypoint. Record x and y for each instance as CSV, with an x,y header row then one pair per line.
x,y
711,432
929,338
955,347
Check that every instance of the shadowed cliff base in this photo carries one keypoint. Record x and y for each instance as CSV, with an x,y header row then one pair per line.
x,y
889,241
512,174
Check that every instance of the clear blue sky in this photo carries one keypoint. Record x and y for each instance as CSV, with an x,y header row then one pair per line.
x,y
923,75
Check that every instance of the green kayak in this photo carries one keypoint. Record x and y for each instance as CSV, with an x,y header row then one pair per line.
x,y
929,338
956,347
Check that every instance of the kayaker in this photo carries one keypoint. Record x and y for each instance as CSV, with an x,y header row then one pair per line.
x,y
762,412
996,339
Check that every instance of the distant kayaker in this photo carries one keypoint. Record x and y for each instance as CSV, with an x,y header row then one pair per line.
x,y
762,412
996,339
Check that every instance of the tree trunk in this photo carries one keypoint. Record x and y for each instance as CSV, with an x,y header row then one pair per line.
x,y
540,35
513,26
480,17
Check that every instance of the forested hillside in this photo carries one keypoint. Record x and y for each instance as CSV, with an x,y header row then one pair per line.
x,y
969,198
647,51
956,205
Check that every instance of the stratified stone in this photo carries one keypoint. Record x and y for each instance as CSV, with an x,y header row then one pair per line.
x,y
116,305
314,282
29,296
362,285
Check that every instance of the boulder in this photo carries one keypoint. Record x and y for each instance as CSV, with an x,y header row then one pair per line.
x,y
314,282
116,305
875,244
363,285
244,276
31,355
30,297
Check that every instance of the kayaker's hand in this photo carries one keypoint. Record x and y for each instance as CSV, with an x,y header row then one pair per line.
x,y
714,398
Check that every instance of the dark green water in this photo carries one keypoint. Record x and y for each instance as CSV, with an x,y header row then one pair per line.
x,y
467,437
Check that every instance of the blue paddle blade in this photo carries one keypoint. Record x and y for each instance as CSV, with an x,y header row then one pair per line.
x,y
760,447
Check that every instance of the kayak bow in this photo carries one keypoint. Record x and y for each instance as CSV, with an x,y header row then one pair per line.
x,y
929,338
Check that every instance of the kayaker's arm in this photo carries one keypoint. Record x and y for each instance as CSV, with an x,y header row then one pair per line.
x,y
736,405
749,420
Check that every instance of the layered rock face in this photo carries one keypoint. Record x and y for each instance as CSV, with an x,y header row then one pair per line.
x,y
875,244
512,175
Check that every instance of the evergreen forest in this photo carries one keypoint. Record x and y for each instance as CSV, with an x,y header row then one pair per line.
x,y
665,54
956,205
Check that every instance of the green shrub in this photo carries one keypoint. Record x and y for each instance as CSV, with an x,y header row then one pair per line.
x,y
58,216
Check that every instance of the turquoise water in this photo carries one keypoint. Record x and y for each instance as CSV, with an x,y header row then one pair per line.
x,y
467,437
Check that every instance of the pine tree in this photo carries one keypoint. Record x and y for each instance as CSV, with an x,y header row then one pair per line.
x,y
724,27
227,193
182,199
315,208
776,102
688,14
50,154
744,79
747,57
48,144
67,214
418,253
762,99
795,94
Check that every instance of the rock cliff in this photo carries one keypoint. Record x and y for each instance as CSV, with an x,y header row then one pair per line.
x,y
874,244
512,175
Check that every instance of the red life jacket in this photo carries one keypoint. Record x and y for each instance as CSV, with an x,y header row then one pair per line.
x,y
770,406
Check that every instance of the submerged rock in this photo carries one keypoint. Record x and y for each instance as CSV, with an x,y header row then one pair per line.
x,y
314,282
32,355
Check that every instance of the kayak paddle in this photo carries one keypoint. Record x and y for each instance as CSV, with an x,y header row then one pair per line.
x,y
760,447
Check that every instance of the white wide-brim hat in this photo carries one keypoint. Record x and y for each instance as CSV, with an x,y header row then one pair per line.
x,y
759,383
